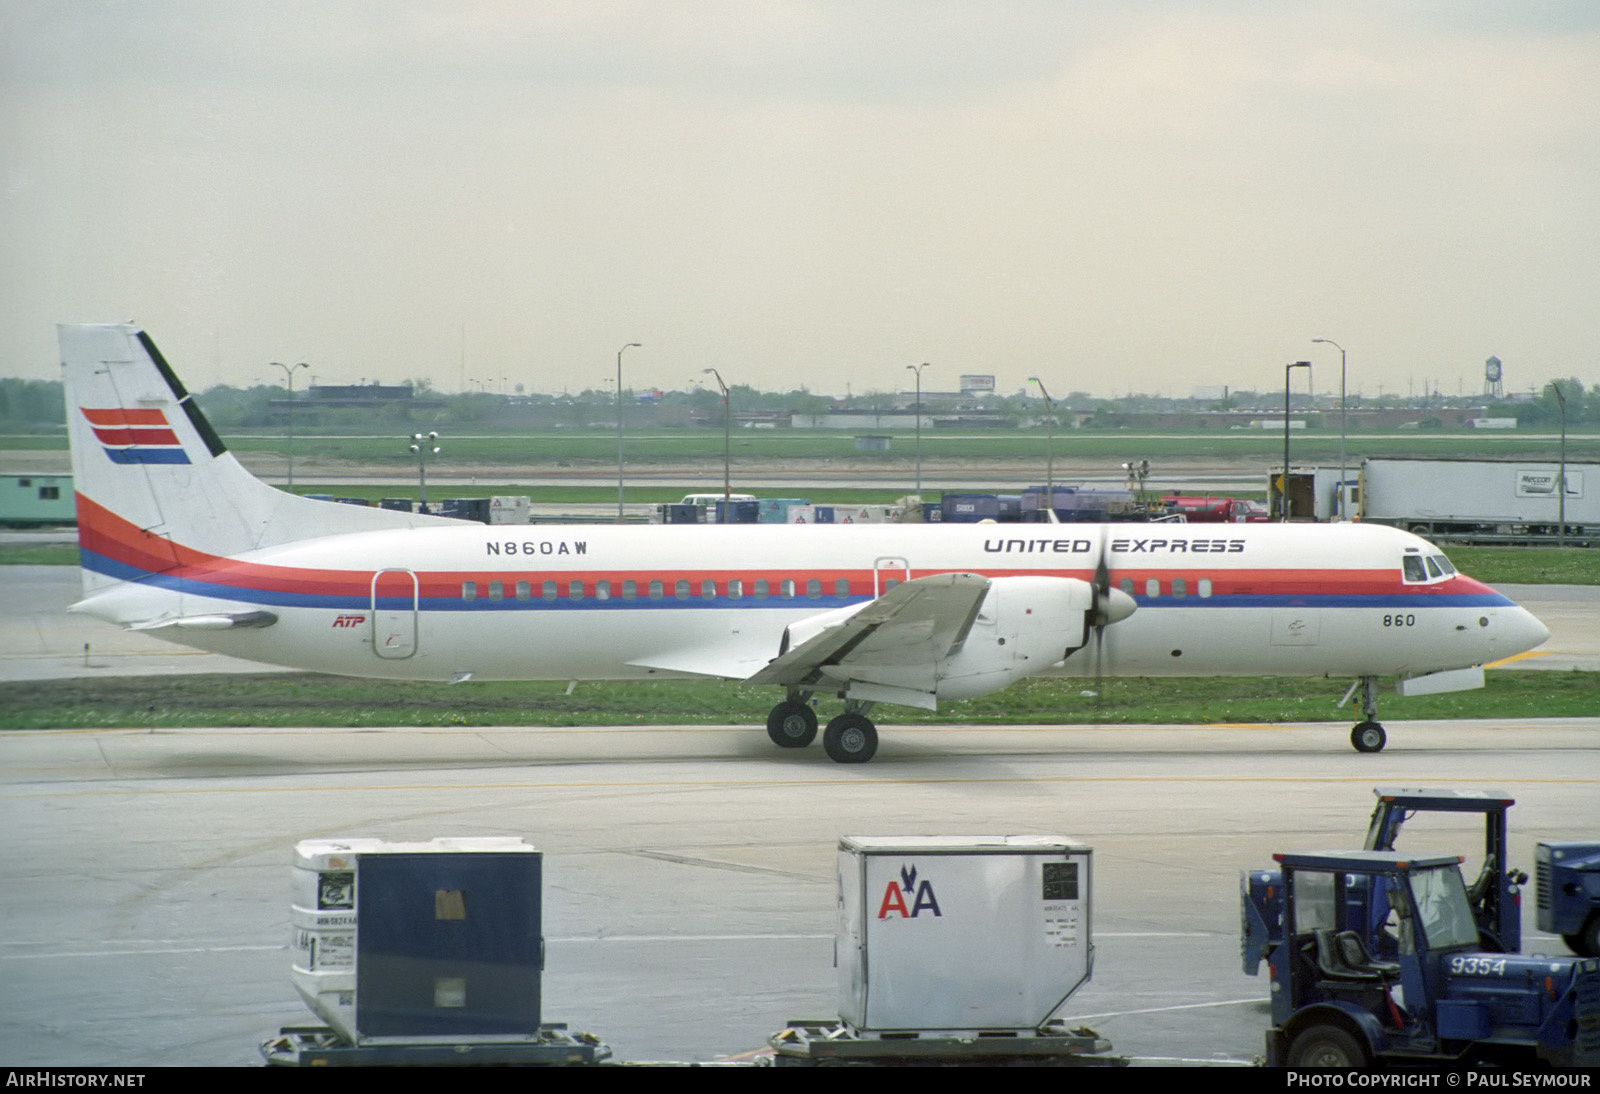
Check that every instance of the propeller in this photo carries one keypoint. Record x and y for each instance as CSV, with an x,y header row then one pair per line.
x,y
1102,598
1108,606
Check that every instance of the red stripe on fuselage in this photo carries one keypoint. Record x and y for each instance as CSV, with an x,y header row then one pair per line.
x,y
107,534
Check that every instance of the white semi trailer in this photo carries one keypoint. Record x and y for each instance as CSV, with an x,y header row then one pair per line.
x,y
1485,501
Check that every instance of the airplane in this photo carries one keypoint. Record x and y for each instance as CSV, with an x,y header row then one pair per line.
x,y
178,540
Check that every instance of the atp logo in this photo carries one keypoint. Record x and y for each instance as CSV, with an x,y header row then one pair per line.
x,y
349,620
894,897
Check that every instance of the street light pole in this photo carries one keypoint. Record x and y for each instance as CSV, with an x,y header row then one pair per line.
x,y
1561,478
1337,346
1050,447
918,370
423,445
288,374
727,481
630,345
1283,489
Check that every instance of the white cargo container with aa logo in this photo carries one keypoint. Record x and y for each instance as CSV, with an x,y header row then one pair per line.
x,y
960,934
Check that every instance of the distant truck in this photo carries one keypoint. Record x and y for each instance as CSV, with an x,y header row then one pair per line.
x,y
1486,501
1196,509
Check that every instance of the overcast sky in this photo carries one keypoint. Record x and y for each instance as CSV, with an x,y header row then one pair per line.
x,y
1112,195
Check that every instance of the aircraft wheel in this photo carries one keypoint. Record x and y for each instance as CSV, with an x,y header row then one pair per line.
x,y
1368,737
850,739
1326,1046
792,725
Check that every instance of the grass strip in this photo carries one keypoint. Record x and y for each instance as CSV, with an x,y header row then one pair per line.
x,y
308,699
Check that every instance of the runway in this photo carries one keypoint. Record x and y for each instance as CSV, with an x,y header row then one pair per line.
x,y
689,871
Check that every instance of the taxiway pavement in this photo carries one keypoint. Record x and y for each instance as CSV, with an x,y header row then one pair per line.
x,y
689,871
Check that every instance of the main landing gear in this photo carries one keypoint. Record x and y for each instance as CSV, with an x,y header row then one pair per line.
x,y
1368,735
851,738
793,723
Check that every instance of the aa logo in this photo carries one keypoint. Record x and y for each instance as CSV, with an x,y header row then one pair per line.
x,y
921,892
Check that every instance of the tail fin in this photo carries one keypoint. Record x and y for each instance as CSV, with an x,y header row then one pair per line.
x,y
156,487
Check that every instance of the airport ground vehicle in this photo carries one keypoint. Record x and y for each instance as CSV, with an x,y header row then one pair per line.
x,y
1381,962
1495,896
1197,509
1567,892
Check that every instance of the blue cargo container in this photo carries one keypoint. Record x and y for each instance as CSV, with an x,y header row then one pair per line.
x,y
465,509
969,508
738,512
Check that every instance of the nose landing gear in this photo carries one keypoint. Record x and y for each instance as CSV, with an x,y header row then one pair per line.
x,y
1368,734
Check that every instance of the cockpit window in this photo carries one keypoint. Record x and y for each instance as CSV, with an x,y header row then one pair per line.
x,y
1420,567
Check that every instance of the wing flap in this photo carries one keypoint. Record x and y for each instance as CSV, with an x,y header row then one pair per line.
x,y
918,622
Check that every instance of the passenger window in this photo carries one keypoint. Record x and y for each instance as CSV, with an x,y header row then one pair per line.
x,y
735,589
682,588
813,588
841,587
630,589
1180,587
575,590
708,589
787,588
760,591
1204,587
1152,586
602,590
550,591
655,590
497,590
469,590
525,590
1126,585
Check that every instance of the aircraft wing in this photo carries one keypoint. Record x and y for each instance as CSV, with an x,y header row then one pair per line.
x,y
917,622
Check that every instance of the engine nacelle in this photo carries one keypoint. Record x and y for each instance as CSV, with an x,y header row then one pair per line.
x,y
1026,626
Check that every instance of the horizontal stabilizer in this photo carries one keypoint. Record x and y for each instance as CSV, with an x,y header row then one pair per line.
x,y
217,622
